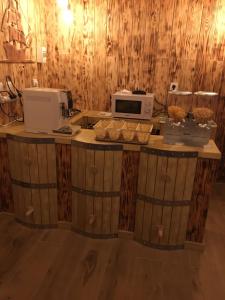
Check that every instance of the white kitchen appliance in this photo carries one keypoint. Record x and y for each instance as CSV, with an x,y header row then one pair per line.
x,y
125,104
45,109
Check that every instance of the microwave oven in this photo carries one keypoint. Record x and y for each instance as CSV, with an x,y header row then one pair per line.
x,y
135,106
45,109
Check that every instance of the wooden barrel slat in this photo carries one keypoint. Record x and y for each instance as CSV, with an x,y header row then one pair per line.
x,y
190,177
180,179
89,221
160,178
152,162
139,220
115,208
106,215
75,165
36,203
33,172
156,222
100,168
143,169
24,162
53,213
117,170
183,225
174,225
34,169
90,162
42,163
17,167
170,179
81,166
75,210
15,198
98,203
11,155
96,179
81,211
28,204
147,217
51,162
44,206
108,171
166,219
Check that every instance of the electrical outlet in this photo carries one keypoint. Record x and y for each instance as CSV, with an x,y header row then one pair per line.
x,y
174,86
34,82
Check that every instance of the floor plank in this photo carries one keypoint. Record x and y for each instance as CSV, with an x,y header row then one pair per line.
x,y
59,264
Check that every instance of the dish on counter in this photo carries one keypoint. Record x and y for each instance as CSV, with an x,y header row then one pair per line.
x,y
123,131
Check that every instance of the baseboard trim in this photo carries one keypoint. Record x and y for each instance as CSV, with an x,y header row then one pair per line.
x,y
65,225
122,234
188,245
125,235
4,213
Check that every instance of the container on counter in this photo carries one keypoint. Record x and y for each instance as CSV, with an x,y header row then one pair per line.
x,y
100,128
123,132
188,132
114,129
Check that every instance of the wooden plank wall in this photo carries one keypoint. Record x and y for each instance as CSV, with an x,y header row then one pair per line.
x,y
128,44
206,170
6,198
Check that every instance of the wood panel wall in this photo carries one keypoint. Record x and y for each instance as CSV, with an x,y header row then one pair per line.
x,y
6,197
116,44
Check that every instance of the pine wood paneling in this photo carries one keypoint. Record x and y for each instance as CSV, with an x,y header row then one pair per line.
x,y
204,179
6,201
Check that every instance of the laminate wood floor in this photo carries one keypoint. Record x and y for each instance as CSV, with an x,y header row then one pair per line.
x,y
60,265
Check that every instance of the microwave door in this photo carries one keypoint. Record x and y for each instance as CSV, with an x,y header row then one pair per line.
x,y
129,107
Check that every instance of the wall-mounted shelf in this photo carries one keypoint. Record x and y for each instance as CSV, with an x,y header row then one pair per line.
x,y
180,93
6,61
202,93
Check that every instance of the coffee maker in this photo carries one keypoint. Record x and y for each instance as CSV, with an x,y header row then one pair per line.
x,y
46,110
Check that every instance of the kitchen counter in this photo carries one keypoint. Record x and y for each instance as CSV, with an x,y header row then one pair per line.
x,y
88,136
157,194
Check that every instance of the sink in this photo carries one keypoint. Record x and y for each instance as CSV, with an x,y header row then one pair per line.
x,y
87,122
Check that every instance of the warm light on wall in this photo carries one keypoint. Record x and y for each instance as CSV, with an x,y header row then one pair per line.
x,y
63,3
67,14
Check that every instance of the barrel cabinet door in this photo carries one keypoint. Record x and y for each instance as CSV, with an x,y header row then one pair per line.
x,y
164,193
96,176
33,172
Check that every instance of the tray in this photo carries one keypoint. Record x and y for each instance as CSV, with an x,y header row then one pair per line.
x,y
120,131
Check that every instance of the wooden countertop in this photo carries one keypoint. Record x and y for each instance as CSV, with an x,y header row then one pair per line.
x,y
88,136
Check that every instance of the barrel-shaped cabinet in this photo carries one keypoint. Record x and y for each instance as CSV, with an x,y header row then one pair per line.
x,y
164,193
33,173
96,179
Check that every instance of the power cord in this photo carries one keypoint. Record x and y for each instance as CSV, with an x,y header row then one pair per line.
x,y
162,110
10,82
12,94
7,114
